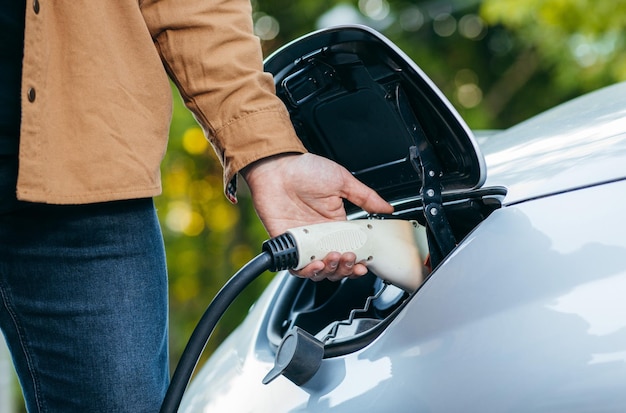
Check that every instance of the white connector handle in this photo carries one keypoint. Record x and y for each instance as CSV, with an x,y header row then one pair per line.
x,y
393,249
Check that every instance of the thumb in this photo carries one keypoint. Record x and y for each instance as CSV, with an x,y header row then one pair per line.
x,y
365,197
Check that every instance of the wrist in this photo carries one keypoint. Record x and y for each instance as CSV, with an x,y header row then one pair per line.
x,y
265,165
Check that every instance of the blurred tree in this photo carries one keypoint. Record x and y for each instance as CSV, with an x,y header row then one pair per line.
x,y
574,46
580,41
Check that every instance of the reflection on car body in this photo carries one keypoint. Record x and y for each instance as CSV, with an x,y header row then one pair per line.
x,y
524,314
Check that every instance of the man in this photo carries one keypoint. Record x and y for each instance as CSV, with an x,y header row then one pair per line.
x,y
82,268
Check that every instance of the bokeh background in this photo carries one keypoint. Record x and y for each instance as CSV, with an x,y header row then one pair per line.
x,y
498,61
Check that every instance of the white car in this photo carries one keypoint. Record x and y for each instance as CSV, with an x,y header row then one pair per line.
x,y
523,307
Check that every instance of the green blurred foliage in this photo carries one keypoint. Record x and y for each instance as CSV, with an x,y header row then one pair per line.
x,y
497,61
580,43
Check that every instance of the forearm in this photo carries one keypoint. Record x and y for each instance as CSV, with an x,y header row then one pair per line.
x,y
212,55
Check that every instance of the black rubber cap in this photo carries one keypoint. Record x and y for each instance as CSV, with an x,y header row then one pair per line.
x,y
298,357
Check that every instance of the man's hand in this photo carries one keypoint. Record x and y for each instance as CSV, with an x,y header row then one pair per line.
x,y
292,190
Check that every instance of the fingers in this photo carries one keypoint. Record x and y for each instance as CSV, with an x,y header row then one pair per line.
x,y
363,196
334,267
292,190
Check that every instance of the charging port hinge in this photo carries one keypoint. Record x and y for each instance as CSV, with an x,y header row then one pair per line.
x,y
437,223
425,162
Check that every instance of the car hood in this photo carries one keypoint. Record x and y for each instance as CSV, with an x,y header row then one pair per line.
x,y
355,98
578,144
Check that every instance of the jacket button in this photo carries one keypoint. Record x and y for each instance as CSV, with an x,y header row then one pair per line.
x,y
36,6
31,94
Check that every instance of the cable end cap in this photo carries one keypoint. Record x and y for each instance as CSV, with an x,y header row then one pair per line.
x,y
298,357
283,251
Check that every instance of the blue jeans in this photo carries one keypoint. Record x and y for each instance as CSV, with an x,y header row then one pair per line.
x,y
83,306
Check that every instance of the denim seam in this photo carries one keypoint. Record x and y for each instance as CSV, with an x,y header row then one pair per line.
x,y
24,347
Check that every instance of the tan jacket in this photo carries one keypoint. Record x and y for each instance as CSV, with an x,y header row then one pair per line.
x,y
96,101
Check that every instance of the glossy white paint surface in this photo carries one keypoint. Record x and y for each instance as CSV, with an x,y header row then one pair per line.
x,y
579,143
526,315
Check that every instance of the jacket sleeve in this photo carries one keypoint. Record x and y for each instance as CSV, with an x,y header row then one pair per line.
x,y
213,57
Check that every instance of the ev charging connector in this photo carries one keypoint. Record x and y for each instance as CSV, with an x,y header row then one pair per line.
x,y
393,249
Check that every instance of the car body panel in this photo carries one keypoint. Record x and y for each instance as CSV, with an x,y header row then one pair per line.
x,y
579,143
526,314
534,322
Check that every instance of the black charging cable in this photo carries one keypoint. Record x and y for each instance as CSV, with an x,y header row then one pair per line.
x,y
279,253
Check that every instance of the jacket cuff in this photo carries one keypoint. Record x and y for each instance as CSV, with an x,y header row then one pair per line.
x,y
252,137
